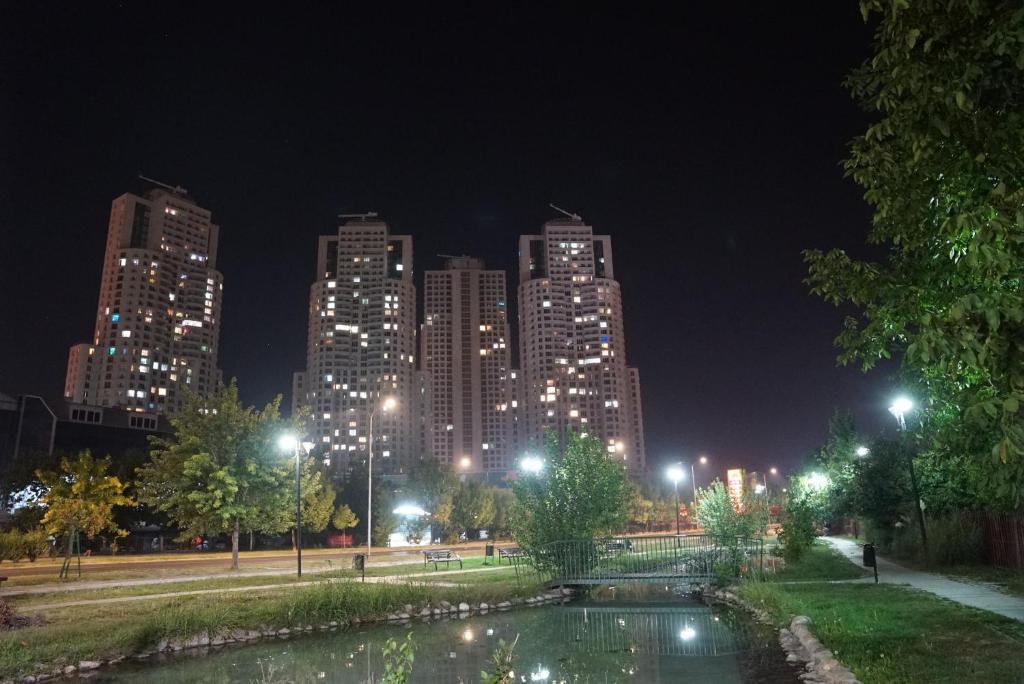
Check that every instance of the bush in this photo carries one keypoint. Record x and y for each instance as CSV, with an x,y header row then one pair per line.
x,y
953,539
15,545
797,533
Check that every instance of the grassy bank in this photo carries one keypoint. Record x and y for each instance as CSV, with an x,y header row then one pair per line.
x,y
100,632
891,634
820,562
494,574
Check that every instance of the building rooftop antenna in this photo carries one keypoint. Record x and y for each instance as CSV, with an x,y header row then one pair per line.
x,y
173,188
574,217
362,217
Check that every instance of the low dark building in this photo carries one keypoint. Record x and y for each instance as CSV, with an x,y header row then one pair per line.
x,y
34,429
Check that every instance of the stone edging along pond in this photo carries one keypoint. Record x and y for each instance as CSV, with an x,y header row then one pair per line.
x,y
206,640
800,645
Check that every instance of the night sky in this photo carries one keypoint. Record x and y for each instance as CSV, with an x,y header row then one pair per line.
x,y
706,144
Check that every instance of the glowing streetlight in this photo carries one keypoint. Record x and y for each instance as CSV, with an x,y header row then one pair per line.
x,y
687,633
386,404
465,462
773,470
290,443
901,406
532,464
703,460
862,451
410,510
675,474
817,481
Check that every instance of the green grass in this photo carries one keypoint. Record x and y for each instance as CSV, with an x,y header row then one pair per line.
x,y
26,602
820,562
893,634
106,631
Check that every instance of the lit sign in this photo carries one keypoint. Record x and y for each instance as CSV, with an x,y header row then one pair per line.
x,y
734,478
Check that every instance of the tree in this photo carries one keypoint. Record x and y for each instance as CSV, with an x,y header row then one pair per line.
x,y
503,502
580,494
433,486
80,498
720,518
943,170
641,509
222,471
318,496
473,507
344,518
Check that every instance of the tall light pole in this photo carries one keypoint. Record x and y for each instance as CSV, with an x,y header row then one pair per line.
x,y
290,443
900,407
387,404
675,473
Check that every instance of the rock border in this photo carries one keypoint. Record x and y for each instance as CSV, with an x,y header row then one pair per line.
x,y
800,645
443,611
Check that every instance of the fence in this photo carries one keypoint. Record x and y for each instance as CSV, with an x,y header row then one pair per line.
x,y
1004,538
694,558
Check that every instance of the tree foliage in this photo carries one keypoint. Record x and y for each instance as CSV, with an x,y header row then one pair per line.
x,y
344,518
580,494
943,169
222,471
81,497
725,522
473,506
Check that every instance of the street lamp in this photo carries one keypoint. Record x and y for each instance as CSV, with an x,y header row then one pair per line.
x,y
862,451
289,442
387,404
675,473
900,407
532,464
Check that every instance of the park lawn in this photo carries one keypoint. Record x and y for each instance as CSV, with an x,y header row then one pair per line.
x,y
820,562
26,602
101,631
892,634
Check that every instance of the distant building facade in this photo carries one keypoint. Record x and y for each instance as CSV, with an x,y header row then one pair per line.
x,y
465,353
361,347
158,319
572,342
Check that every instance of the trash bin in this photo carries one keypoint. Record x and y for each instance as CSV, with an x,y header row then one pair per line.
x,y
869,555
489,551
359,562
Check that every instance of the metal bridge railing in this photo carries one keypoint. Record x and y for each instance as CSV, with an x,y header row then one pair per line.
x,y
651,558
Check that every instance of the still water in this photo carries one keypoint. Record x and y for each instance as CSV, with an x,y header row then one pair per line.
x,y
638,633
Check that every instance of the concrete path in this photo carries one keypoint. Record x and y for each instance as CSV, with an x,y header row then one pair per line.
x,y
257,588
974,595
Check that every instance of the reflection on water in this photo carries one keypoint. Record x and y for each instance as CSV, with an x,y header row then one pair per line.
x,y
635,633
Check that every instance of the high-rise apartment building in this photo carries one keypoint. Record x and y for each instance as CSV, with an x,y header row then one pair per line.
x,y
158,319
465,354
362,346
572,342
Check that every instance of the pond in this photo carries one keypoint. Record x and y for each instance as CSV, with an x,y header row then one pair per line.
x,y
631,633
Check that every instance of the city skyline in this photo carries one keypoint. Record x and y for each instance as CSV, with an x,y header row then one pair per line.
x,y
710,181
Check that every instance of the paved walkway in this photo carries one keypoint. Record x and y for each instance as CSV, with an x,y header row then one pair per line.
x,y
968,594
258,588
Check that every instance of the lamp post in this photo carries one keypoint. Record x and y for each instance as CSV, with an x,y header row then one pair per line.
x,y
291,443
675,473
900,407
532,464
387,404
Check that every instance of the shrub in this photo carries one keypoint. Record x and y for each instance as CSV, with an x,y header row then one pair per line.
x,y
797,532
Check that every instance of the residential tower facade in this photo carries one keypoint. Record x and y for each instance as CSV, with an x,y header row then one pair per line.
x,y
572,342
158,319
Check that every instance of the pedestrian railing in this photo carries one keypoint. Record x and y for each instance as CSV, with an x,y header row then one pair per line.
x,y
692,558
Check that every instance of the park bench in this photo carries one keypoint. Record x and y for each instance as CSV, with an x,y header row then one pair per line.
x,y
441,556
510,552
614,545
